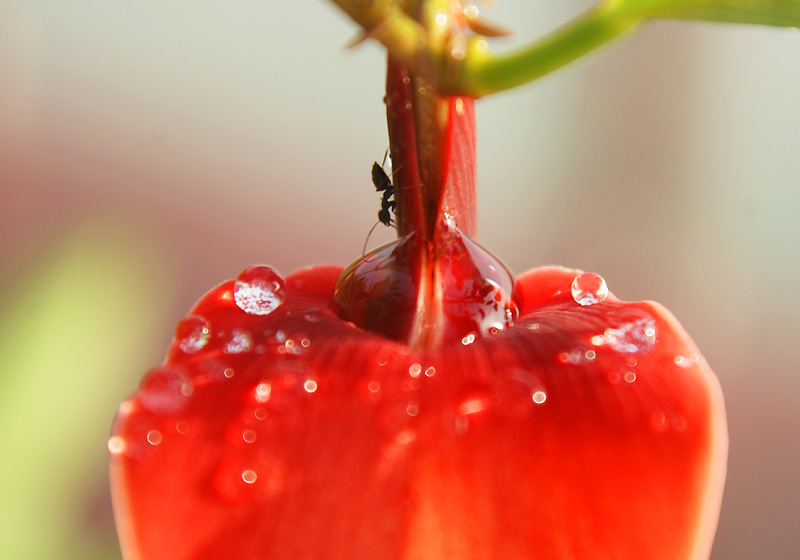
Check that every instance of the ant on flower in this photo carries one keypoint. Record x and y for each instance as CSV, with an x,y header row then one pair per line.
x,y
383,184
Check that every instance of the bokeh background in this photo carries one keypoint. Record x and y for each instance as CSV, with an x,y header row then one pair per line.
x,y
150,150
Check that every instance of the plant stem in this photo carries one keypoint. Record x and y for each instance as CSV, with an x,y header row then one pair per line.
x,y
483,73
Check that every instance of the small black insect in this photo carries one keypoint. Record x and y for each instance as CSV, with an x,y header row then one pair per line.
x,y
383,183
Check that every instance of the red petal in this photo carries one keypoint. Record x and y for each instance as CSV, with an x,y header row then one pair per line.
x,y
590,431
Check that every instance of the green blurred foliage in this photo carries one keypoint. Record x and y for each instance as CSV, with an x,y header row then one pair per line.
x,y
73,324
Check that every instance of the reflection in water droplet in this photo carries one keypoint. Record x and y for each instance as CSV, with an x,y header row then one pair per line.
x,y
539,397
430,372
589,288
116,445
228,373
635,336
192,333
630,377
239,341
415,370
165,389
310,386
154,437
467,340
259,290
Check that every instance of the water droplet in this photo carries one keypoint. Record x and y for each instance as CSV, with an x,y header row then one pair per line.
x,y
234,482
683,361
577,356
659,421
259,290
515,394
263,391
473,405
636,335
249,436
228,373
589,288
539,397
471,11
630,377
414,370
313,316
116,445
249,476
412,409
467,340
165,390
310,386
430,371
192,333
260,413
154,437
239,341
182,426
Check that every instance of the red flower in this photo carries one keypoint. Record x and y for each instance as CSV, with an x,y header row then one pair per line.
x,y
276,430
421,404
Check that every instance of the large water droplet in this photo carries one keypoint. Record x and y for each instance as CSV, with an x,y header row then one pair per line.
x,y
636,335
165,390
259,290
192,333
589,288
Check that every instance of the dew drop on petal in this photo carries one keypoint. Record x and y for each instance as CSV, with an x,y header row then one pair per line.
x,y
249,476
636,335
238,342
259,290
249,436
539,397
192,333
589,288
165,389
154,437
116,445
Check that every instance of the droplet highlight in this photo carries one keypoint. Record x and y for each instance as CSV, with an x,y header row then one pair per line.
x,y
259,290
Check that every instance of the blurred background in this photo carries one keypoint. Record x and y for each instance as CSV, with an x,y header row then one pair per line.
x,y
150,150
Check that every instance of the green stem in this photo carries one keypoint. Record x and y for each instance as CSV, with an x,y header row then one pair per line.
x,y
483,73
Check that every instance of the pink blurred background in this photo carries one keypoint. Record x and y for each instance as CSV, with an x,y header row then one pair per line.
x,y
150,150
